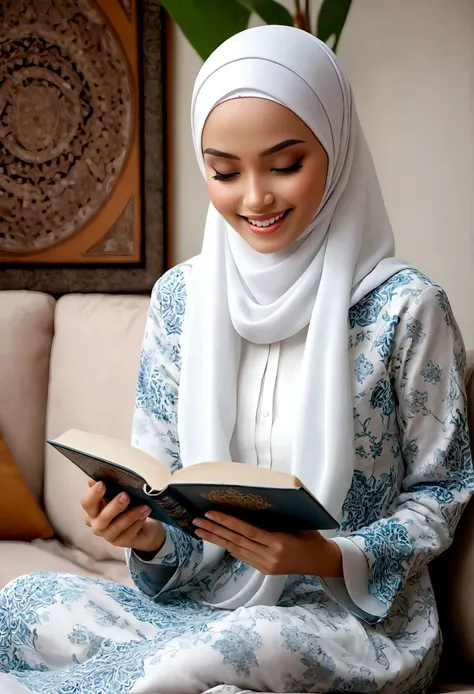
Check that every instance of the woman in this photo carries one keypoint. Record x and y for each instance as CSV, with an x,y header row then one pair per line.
x,y
295,341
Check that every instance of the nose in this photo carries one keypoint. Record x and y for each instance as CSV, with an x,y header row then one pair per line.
x,y
256,197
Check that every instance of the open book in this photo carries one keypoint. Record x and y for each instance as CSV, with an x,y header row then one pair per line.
x,y
265,498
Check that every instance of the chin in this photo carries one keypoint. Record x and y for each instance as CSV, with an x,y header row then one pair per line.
x,y
271,243
267,244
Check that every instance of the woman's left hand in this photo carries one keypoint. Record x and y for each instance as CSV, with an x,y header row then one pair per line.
x,y
305,552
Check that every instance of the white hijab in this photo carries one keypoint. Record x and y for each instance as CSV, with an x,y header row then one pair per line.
x,y
236,292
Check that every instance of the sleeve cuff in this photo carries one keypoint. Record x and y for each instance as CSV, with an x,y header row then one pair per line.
x,y
352,591
153,576
164,557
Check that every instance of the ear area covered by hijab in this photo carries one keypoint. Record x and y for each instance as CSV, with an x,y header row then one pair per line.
x,y
237,293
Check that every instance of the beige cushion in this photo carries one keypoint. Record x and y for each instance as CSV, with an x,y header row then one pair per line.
x,y
94,366
26,332
19,558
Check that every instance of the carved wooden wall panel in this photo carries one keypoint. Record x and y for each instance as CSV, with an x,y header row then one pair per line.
x,y
73,82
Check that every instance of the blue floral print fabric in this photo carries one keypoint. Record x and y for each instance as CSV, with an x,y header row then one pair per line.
x,y
413,476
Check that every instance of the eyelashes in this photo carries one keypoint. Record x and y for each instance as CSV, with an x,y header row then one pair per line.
x,y
296,166
223,177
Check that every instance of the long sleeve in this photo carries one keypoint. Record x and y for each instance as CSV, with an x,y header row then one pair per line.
x,y
155,428
425,391
352,589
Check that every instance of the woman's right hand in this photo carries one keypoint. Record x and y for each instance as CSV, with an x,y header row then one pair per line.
x,y
118,526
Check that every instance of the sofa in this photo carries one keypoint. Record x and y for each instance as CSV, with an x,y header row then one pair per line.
x,y
73,362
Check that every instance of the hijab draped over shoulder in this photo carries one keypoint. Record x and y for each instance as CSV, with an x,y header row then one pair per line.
x,y
238,293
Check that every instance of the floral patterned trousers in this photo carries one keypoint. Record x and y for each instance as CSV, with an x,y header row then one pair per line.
x,y
63,634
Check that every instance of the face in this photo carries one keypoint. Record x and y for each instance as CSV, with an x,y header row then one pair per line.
x,y
265,171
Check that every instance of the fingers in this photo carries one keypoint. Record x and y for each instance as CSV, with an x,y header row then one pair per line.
x,y
221,539
262,558
123,531
111,520
222,536
93,500
113,509
123,525
238,551
111,525
234,525
126,538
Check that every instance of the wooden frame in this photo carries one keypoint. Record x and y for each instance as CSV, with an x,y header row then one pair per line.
x,y
118,273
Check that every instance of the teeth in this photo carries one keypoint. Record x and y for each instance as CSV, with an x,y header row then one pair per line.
x,y
266,222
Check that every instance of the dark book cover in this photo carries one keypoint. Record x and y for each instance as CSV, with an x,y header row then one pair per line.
x,y
269,508
120,479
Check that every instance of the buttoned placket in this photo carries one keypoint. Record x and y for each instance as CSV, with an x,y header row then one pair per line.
x,y
265,409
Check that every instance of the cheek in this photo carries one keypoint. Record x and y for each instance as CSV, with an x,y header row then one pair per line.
x,y
224,199
306,188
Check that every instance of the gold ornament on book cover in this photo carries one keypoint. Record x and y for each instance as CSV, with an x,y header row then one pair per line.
x,y
237,499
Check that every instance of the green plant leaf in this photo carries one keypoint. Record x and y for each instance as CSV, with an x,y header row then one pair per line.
x,y
270,11
331,19
207,23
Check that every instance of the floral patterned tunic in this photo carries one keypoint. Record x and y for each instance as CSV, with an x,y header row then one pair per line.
x,y
413,475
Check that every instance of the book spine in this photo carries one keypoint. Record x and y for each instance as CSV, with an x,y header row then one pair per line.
x,y
177,512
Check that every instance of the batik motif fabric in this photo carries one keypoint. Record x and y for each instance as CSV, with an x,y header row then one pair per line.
x,y
413,475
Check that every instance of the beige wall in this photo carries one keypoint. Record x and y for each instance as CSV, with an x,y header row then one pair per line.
x,y
411,63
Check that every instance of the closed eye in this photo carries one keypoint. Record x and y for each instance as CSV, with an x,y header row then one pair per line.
x,y
290,169
224,177
296,166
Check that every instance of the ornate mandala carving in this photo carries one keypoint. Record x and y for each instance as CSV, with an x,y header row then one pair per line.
x,y
66,118
118,240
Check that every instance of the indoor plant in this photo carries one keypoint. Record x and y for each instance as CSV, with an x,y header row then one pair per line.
x,y
207,23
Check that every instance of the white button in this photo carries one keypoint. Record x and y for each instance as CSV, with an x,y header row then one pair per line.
x,y
266,413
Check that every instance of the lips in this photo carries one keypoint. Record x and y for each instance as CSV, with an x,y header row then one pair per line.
x,y
266,222
266,226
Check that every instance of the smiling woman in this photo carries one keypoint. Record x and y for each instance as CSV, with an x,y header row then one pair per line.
x,y
265,169
297,342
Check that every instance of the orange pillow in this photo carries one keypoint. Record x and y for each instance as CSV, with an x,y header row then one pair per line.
x,y
21,518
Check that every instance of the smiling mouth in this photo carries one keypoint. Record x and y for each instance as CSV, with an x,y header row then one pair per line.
x,y
264,223
265,227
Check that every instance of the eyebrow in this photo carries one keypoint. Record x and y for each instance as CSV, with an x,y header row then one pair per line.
x,y
265,153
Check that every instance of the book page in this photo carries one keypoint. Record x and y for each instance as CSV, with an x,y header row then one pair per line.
x,y
235,474
118,452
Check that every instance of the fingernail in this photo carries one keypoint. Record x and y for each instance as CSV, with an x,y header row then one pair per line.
x,y
100,487
211,515
145,512
197,521
123,498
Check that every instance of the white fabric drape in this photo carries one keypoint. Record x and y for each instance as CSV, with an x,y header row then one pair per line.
x,y
236,292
